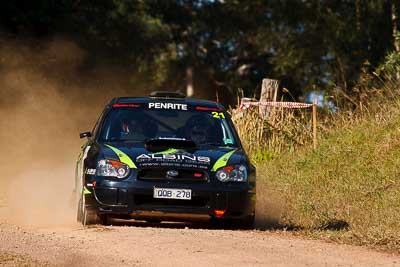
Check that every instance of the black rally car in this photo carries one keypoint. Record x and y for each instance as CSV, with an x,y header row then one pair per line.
x,y
164,157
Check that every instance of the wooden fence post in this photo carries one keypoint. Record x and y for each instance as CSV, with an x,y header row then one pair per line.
x,y
269,92
314,121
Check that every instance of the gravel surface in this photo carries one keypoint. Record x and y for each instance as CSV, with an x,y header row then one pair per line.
x,y
138,244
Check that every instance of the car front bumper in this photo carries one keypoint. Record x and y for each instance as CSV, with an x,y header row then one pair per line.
x,y
135,200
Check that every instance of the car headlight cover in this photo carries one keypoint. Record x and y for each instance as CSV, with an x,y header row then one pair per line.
x,y
232,173
113,168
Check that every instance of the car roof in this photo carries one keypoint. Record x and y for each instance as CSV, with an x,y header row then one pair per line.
x,y
147,99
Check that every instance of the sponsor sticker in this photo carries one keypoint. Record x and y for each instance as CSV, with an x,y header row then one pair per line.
x,y
173,160
228,141
159,105
218,115
174,157
91,171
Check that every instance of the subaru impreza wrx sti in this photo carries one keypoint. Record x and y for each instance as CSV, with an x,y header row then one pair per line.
x,y
164,157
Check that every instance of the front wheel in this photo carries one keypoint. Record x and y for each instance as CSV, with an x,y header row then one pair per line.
x,y
247,223
84,215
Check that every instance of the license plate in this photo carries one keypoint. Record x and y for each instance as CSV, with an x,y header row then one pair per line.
x,y
172,193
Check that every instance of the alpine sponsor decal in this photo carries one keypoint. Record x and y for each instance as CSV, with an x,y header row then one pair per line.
x,y
173,160
174,157
159,105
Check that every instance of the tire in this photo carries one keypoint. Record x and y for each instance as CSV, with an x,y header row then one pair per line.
x,y
218,223
103,219
84,215
153,220
247,223
89,217
79,212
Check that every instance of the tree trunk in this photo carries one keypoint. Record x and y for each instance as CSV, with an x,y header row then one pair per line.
x,y
395,22
396,33
189,82
358,15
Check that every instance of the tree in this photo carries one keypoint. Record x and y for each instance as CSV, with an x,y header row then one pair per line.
x,y
220,45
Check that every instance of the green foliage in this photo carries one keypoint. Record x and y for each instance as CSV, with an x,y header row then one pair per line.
x,y
230,44
391,64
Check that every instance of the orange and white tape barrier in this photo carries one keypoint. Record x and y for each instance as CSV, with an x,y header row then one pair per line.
x,y
246,105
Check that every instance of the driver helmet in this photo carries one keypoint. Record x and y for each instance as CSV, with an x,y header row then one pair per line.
x,y
131,126
197,129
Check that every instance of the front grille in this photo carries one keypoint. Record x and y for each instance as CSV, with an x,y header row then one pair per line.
x,y
196,201
181,175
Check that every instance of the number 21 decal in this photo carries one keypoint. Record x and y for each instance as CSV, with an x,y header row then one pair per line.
x,y
218,115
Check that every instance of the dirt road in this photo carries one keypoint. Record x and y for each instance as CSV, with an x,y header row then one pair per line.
x,y
172,245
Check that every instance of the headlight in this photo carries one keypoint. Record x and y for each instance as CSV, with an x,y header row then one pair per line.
x,y
108,167
234,173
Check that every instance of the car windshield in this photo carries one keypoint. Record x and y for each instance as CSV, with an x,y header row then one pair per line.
x,y
135,123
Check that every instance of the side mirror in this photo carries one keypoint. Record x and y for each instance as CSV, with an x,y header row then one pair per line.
x,y
85,134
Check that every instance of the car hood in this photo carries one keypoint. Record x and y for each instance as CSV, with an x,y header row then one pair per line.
x,y
210,158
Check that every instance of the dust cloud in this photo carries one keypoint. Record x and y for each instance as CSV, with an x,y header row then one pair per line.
x,y
46,99
48,96
269,207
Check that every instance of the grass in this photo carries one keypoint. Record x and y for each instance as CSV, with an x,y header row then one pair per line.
x,y
351,183
283,130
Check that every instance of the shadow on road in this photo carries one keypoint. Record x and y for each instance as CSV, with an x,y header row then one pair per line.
x,y
260,225
207,225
